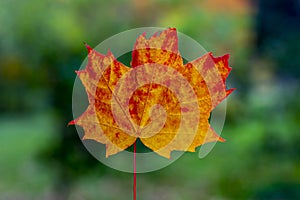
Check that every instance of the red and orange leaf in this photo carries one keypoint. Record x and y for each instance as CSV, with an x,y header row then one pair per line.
x,y
161,101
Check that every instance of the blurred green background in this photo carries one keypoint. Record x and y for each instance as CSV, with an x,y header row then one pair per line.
x,y
41,46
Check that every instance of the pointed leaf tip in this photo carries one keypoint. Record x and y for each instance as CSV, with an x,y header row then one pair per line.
x,y
72,122
88,47
229,91
220,139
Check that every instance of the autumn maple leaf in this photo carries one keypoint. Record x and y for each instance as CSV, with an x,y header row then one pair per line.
x,y
160,100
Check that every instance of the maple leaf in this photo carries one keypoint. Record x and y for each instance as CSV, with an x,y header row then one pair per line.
x,y
160,100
